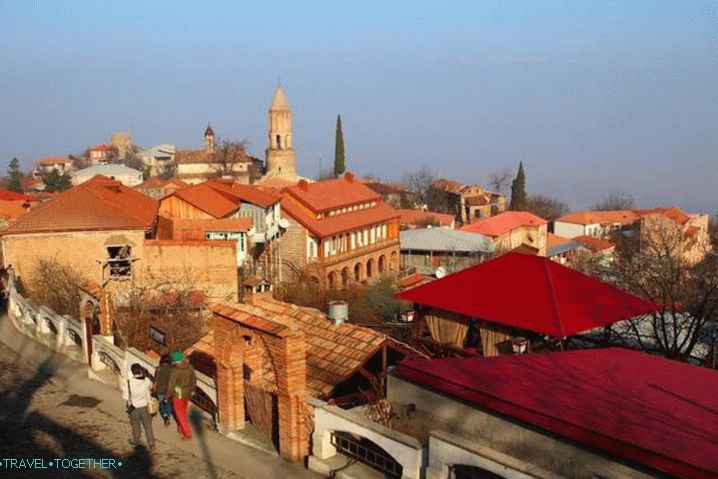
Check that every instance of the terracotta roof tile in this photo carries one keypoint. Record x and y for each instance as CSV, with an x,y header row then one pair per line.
x,y
418,217
339,223
53,160
246,193
98,204
674,213
11,210
332,194
553,240
333,352
503,223
593,243
623,217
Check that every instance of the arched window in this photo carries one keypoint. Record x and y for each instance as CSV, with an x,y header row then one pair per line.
x,y
279,142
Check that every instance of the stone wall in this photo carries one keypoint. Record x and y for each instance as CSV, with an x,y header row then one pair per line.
x,y
212,265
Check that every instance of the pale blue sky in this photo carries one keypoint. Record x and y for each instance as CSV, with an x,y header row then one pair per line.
x,y
592,98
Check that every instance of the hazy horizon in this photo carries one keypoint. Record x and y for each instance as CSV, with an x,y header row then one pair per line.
x,y
592,98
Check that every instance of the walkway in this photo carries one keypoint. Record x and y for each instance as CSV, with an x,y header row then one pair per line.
x,y
74,416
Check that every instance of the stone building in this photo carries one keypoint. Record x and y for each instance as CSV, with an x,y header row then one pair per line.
x,y
281,158
340,231
158,188
213,161
466,202
106,231
60,164
512,229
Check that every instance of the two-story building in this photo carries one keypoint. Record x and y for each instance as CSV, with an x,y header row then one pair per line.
x,y
223,200
60,164
594,223
512,229
339,229
101,154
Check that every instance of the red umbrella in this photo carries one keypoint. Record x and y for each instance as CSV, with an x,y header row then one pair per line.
x,y
531,293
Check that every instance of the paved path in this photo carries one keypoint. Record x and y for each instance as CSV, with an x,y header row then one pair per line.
x,y
50,408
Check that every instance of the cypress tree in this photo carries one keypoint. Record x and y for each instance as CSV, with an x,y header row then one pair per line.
x,y
339,163
14,172
518,190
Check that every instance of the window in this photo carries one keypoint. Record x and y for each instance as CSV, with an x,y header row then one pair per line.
x,y
119,261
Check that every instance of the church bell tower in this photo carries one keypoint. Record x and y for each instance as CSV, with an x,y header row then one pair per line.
x,y
281,159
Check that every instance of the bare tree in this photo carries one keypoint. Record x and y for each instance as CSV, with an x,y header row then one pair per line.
x,y
420,183
228,155
686,294
55,284
170,303
546,207
617,200
500,180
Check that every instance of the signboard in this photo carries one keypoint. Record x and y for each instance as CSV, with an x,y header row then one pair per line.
x,y
158,336
224,235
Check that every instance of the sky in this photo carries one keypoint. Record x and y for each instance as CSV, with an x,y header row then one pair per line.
x,y
593,97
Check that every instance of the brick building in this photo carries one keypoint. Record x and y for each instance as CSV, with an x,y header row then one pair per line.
x,y
466,202
270,357
158,188
339,229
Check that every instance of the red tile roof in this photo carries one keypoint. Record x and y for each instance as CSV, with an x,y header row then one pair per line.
x,y
531,293
327,195
417,217
412,280
100,148
221,198
53,160
159,183
503,223
623,217
674,213
341,223
7,195
593,243
98,204
643,408
10,210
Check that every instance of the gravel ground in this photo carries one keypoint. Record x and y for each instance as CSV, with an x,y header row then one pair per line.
x,y
39,420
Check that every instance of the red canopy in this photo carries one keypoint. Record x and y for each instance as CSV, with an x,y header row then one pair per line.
x,y
531,293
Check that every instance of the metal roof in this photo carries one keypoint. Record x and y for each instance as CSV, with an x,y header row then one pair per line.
x,y
563,248
442,239
106,170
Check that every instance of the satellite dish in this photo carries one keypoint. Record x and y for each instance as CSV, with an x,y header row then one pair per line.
x,y
440,272
284,223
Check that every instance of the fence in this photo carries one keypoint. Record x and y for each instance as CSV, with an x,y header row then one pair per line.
x,y
108,363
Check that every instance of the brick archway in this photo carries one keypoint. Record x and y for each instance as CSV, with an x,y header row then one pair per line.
x,y
381,264
370,267
358,272
229,350
394,261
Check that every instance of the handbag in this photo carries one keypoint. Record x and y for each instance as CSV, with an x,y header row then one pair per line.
x,y
153,405
129,407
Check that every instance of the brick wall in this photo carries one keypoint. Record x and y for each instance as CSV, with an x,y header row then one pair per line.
x,y
293,249
211,264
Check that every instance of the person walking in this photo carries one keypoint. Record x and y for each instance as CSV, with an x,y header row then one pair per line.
x,y
180,387
162,375
136,393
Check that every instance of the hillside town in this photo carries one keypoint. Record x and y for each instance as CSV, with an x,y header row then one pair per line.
x,y
364,327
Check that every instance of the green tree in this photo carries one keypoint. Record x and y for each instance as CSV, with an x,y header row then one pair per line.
x,y
14,172
54,181
518,190
339,164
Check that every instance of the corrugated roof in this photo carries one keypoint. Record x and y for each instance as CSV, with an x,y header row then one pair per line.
x,y
97,204
106,170
647,409
445,240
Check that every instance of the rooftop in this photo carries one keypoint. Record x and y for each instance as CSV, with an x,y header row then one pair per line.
x,y
643,408
424,218
53,160
334,352
593,243
623,217
279,101
106,170
445,240
332,194
98,204
530,293
503,223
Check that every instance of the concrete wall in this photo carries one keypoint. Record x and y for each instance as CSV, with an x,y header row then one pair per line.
x,y
481,427
405,449
211,264
569,230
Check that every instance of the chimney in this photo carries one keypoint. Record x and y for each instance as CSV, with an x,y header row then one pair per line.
x,y
349,177
303,185
338,312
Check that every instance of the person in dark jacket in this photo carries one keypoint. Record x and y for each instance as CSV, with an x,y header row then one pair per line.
x,y
180,387
162,375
